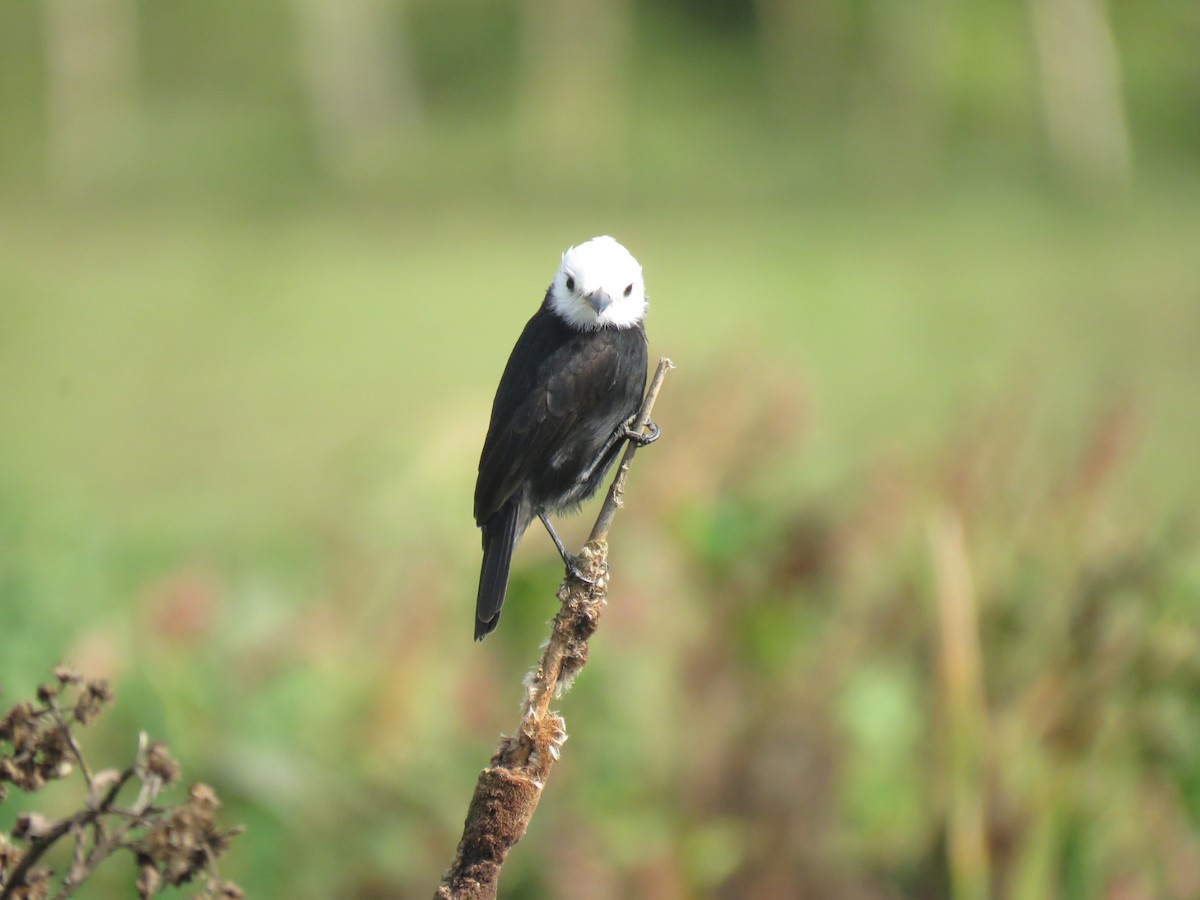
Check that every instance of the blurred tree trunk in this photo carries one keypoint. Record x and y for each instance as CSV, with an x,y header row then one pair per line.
x,y
805,45
903,85
573,114
91,104
878,68
1081,91
362,91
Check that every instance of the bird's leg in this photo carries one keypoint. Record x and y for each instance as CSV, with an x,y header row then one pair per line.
x,y
620,433
586,475
568,558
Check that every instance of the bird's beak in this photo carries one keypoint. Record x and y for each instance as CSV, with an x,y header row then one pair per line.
x,y
598,300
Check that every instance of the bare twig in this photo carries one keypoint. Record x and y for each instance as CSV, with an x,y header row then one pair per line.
x,y
508,791
73,744
45,841
615,493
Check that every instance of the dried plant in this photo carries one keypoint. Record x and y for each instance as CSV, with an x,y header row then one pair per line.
x,y
508,790
172,844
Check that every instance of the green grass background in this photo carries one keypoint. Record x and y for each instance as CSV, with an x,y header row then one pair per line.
x,y
241,405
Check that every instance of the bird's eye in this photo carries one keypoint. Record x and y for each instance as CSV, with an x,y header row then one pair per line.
x,y
628,289
570,282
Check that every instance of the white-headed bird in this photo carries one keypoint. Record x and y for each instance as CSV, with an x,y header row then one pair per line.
x,y
563,409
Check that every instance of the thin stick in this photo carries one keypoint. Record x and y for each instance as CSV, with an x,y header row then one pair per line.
x,y
508,791
37,847
613,501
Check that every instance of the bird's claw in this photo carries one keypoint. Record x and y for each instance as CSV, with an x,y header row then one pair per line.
x,y
638,437
623,431
575,570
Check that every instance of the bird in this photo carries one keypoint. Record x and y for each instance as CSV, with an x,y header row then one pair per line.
x,y
563,409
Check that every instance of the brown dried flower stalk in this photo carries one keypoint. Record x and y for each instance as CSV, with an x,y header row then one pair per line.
x,y
173,845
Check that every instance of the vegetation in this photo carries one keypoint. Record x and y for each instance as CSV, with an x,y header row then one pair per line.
x,y
906,603
172,845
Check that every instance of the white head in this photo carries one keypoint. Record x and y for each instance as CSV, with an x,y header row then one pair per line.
x,y
599,284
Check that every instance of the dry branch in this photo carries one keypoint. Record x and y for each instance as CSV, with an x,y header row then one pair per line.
x,y
508,790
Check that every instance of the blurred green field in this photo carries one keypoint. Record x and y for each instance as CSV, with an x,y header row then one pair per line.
x,y
239,472
905,603
210,358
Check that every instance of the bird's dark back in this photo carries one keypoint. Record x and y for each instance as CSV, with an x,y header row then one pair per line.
x,y
563,392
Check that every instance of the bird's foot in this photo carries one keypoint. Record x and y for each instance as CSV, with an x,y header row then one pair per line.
x,y
575,569
637,436
573,563
620,433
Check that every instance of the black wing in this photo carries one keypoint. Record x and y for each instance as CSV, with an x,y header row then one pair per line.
x,y
562,392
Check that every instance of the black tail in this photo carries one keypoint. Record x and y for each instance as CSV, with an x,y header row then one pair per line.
x,y
500,534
